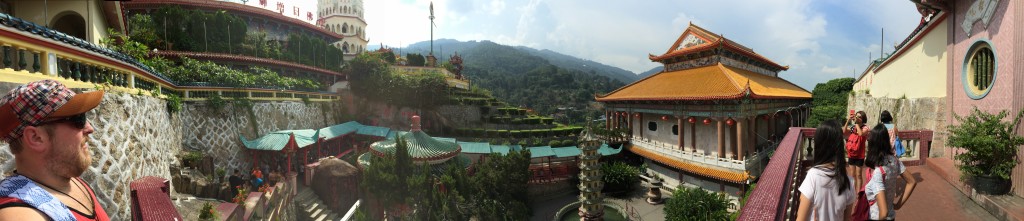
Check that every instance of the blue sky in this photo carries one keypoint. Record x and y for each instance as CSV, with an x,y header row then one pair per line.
x,y
819,39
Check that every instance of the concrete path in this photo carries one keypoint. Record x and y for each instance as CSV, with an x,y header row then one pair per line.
x,y
936,199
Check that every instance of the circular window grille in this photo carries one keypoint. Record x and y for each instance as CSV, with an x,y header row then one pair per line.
x,y
979,70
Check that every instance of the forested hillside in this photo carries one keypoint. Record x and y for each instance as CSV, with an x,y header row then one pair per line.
x,y
525,80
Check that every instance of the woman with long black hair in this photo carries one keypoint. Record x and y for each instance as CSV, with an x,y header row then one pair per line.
x,y
826,192
883,169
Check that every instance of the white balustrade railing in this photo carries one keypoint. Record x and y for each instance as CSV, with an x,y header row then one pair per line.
x,y
675,151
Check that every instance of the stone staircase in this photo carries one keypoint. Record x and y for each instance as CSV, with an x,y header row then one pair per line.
x,y
310,208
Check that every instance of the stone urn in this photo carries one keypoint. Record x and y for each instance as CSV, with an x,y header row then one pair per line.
x,y
654,194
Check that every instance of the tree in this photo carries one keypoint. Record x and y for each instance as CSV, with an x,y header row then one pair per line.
x,y
829,101
696,204
500,184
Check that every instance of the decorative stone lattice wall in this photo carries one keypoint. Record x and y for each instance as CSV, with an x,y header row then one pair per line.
x,y
216,132
908,114
136,137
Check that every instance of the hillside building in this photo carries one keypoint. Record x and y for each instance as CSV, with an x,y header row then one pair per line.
x,y
344,17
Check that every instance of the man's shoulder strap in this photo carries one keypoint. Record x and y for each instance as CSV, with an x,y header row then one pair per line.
x,y
25,190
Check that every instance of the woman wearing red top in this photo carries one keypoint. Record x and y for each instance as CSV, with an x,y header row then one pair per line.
x,y
858,133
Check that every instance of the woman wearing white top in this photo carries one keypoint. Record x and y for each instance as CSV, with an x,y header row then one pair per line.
x,y
826,193
884,168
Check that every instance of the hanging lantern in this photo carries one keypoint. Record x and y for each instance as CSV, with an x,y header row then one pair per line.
x,y
692,120
707,121
764,116
730,122
637,115
664,117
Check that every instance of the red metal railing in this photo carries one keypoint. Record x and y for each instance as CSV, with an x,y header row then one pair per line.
x,y
775,197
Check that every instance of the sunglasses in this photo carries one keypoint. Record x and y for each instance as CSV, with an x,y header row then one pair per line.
x,y
78,121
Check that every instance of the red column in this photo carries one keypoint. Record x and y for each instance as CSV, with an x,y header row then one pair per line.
x,y
289,155
679,129
693,136
740,136
305,157
721,140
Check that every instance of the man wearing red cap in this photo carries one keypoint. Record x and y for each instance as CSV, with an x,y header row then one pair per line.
x,y
45,125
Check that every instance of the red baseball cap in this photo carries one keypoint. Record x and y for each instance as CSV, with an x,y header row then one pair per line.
x,y
34,102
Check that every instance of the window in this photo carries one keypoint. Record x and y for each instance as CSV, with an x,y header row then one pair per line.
x,y
652,126
979,70
675,129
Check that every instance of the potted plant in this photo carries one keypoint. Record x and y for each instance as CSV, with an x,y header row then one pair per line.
x,y
991,146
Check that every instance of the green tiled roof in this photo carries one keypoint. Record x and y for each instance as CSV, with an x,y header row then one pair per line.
x,y
374,131
476,147
605,150
566,151
461,160
339,130
421,146
544,151
276,141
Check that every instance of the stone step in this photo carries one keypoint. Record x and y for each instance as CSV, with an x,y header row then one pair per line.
x,y
312,206
333,216
321,217
316,213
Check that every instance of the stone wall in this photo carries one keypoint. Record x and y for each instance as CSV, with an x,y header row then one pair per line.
x,y
908,114
215,132
136,136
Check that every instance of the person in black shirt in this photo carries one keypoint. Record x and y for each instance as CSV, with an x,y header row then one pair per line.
x,y
236,182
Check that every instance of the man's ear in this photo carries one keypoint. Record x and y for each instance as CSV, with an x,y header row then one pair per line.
x,y
35,139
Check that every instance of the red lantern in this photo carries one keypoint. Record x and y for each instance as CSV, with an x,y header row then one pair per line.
x,y
764,116
707,121
730,122
664,117
637,115
692,120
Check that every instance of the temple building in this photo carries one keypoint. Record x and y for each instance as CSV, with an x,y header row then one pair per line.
x,y
344,17
702,119
422,148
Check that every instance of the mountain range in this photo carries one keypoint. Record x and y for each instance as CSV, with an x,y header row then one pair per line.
x,y
487,53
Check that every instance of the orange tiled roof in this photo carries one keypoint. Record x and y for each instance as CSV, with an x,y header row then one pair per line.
x,y
712,41
713,82
725,175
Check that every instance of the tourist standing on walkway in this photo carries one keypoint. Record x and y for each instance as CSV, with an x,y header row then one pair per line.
x,y
884,167
855,144
46,127
886,118
827,192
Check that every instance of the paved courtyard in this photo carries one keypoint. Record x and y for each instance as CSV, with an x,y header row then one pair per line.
x,y
634,203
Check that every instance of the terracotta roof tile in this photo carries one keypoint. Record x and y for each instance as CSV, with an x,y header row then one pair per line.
x,y
706,83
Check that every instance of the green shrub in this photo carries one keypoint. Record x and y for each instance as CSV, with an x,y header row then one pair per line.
x,y
619,176
696,204
553,143
990,142
207,212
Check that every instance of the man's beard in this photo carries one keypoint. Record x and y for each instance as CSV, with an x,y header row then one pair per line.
x,y
68,160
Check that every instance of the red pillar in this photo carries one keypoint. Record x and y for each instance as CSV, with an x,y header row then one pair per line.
x,y
289,162
305,157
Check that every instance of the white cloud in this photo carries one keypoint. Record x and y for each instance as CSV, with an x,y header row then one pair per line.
x,y
817,39
831,70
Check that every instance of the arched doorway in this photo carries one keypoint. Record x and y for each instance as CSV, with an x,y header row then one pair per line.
x,y
70,23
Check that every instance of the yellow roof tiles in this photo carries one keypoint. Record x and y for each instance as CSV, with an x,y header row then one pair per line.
x,y
711,82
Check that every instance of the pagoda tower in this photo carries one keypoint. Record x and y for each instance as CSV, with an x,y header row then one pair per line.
x,y
591,199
